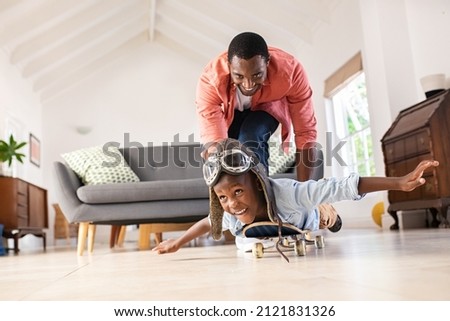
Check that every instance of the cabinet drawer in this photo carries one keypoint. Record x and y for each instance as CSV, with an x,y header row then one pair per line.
x,y
22,187
397,196
394,150
22,200
22,223
423,142
417,143
429,190
406,165
396,169
22,211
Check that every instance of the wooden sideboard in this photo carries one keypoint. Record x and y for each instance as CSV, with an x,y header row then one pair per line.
x,y
421,132
23,209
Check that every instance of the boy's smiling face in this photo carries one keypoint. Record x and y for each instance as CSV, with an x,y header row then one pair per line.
x,y
242,197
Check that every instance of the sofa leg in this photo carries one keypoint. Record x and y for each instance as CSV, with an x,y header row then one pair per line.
x,y
82,234
113,236
91,237
145,231
121,237
158,237
144,236
117,236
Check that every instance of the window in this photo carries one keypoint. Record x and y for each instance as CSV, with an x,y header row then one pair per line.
x,y
348,117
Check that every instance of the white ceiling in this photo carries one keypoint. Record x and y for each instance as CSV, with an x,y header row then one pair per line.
x,y
58,43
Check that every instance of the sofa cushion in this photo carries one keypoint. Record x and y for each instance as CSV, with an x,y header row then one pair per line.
x,y
144,191
166,162
279,161
99,165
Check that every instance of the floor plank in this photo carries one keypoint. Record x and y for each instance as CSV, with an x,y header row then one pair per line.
x,y
356,264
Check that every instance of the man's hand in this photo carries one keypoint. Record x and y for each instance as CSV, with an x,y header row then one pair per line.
x,y
209,148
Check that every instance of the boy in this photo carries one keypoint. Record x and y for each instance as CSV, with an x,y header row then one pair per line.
x,y
241,193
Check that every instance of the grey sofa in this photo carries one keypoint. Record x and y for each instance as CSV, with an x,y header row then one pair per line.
x,y
171,191
171,194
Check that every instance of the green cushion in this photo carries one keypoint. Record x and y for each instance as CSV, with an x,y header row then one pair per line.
x,y
279,161
94,165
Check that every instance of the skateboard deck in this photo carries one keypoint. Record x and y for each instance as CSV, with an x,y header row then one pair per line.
x,y
270,229
292,237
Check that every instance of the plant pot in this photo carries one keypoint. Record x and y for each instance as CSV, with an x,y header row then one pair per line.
x,y
5,170
2,248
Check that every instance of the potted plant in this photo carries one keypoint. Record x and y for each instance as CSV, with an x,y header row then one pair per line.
x,y
8,152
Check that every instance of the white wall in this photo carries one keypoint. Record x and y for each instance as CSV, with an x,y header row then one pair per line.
x,y
401,41
333,46
148,95
429,29
20,105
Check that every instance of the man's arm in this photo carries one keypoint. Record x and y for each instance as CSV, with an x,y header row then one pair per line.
x,y
211,104
304,122
305,161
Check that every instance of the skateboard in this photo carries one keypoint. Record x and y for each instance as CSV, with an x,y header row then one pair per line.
x,y
292,237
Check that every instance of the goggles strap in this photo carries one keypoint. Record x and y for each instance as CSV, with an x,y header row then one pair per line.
x,y
280,238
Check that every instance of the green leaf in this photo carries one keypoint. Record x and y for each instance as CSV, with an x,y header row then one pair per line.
x,y
9,151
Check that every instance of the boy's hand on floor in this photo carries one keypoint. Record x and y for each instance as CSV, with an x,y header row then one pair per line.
x,y
167,246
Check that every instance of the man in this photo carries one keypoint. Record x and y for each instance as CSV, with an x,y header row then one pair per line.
x,y
246,92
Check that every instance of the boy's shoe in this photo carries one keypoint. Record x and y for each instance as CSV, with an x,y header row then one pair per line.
x,y
329,218
337,225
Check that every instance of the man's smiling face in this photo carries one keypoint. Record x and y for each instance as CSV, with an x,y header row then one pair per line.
x,y
248,75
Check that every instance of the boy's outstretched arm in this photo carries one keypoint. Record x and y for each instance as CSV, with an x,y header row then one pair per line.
x,y
172,245
405,183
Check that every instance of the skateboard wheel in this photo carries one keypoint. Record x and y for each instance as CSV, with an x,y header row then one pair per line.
x,y
258,250
320,243
285,242
300,247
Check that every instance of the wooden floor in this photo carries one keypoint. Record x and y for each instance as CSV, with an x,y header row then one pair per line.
x,y
356,264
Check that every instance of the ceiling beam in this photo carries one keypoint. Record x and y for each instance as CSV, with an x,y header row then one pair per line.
x,y
5,5
74,78
77,43
91,53
276,18
34,19
315,10
64,29
189,38
151,19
